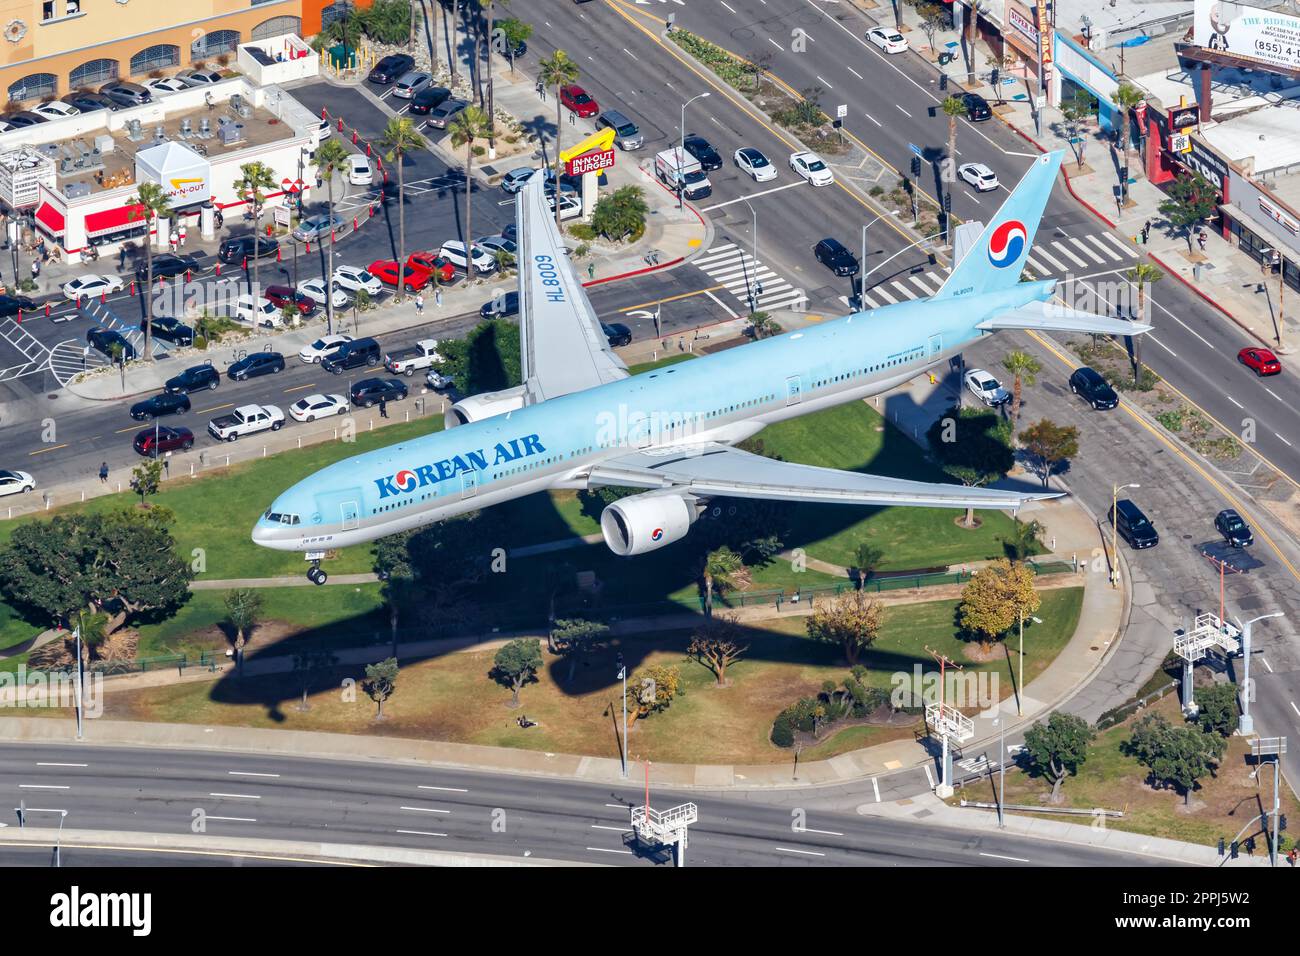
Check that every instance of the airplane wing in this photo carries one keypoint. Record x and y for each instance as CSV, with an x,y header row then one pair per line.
x,y
1050,317
561,345
711,469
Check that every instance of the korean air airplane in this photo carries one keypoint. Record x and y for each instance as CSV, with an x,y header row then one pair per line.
x,y
580,420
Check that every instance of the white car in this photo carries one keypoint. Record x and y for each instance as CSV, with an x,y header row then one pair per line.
x,y
56,109
749,160
323,347
315,288
16,482
514,180
493,244
318,406
166,84
193,77
87,287
454,252
891,41
979,176
261,313
811,167
360,172
354,279
986,388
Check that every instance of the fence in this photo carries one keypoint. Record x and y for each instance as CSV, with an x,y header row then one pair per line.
x,y
139,665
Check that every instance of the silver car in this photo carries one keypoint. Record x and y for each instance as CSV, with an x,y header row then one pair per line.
x,y
411,83
514,180
313,227
444,112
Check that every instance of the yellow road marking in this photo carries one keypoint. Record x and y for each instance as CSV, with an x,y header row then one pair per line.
x,y
299,388
214,408
221,853
673,298
42,451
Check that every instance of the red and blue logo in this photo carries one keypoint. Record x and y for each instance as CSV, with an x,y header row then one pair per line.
x,y
1007,243
656,534
405,479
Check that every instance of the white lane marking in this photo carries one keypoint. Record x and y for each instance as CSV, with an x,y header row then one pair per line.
x,y
884,295
903,290
1162,345
875,785
823,832
250,773
617,806
40,764
236,796
775,44
873,119
421,833
723,306
635,57
43,786
998,856
209,816
916,281
824,83
1273,393
786,849
1121,245
601,849
1281,439
424,810
905,112
1057,263
1035,264
1294,707
764,192
1234,401
1082,247
448,789
597,826
929,775
1060,247
1096,241
43,810
854,72
727,5
1264,660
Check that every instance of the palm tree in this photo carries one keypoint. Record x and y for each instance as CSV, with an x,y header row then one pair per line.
x,y
454,54
1126,97
254,178
154,204
1023,368
867,558
243,613
399,136
470,124
345,31
717,572
1142,275
331,158
487,6
952,108
556,72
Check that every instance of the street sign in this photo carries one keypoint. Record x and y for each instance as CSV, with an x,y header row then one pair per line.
x,y
842,110
590,162
1180,143
916,149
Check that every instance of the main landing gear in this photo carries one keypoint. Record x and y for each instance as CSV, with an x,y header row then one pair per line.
x,y
315,575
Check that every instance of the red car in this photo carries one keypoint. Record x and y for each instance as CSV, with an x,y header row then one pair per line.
x,y
153,442
575,98
431,261
282,295
414,278
1262,361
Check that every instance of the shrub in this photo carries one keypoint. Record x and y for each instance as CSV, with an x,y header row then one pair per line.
x,y
783,731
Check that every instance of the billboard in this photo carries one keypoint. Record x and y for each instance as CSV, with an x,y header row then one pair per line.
x,y
590,162
1248,32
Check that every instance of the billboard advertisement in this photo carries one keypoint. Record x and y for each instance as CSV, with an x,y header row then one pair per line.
x,y
1248,32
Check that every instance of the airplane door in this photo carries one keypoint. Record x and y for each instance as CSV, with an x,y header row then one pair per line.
x,y
793,390
936,345
350,514
468,484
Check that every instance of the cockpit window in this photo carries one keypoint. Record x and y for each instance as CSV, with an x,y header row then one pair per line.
x,y
279,518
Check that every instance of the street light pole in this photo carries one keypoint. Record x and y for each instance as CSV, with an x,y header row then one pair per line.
x,y
1020,683
622,674
862,283
76,634
1002,769
1114,531
1246,723
681,157
753,272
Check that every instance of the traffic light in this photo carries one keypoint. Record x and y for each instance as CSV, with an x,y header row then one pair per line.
x,y
916,167
1250,844
993,78
943,82
1221,846
1235,849
947,202
1281,822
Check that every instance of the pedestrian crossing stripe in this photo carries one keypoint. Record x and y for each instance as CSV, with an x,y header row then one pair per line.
x,y
739,273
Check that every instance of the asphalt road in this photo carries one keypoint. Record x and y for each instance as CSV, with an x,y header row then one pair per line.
x,y
394,805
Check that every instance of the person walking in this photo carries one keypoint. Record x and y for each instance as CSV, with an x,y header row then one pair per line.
x,y
437,297
121,258
36,269
181,233
1201,238
591,270
103,473
383,408
419,303
174,240
1146,231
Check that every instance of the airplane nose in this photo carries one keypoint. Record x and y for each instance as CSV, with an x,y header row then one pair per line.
x,y
263,534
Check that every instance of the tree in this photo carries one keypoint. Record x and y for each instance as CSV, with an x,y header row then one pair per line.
x,y
470,124
400,136
653,690
120,564
152,204
399,592
1126,97
345,31
621,214
1058,748
513,32
485,360
972,445
717,571
243,614
866,558
331,158
1050,444
254,178
310,666
762,325
380,682
1218,709
756,64
1177,757
1023,540
1142,275
933,17
716,644
954,109
488,7
575,638
1191,200
996,597
851,620
517,664
557,71
146,478
1024,369
1078,111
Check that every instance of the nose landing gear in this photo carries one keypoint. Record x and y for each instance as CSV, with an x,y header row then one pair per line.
x,y
315,575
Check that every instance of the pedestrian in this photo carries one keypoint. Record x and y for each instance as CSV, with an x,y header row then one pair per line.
x,y
36,268
167,465
383,408
1201,238
121,258
40,249
218,219
103,473
681,344
174,240
591,270
1146,231
437,298
181,232
419,303
320,180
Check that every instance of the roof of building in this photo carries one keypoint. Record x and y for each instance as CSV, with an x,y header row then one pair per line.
x,y
1266,140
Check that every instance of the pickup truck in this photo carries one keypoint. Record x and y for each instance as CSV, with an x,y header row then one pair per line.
x,y
246,420
423,354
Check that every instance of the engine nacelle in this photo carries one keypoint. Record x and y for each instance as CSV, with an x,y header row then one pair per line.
x,y
647,522
475,408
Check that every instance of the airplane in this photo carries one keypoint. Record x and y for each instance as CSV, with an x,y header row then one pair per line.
x,y
581,420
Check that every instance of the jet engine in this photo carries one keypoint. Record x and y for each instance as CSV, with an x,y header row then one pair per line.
x,y
646,522
475,408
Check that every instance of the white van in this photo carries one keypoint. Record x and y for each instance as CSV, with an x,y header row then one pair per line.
x,y
360,172
261,313
674,165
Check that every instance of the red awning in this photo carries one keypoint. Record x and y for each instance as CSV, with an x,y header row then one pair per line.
x,y
114,220
50,218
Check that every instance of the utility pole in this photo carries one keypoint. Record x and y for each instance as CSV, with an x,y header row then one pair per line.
x,y
622,675
76,634
1271,747
1246,723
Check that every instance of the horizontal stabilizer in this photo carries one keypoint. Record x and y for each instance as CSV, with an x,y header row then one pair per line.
x,y
1050,317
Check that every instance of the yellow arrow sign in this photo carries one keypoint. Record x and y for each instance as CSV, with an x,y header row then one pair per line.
x,y
178,183
601,140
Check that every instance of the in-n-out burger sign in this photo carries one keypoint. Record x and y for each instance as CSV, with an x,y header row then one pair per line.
x,y
590,162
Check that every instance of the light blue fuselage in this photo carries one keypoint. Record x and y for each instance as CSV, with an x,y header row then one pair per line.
x,y
724,397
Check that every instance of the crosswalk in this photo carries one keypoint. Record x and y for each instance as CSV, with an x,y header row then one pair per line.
x,y
71,357
28,346
1050,258
737,271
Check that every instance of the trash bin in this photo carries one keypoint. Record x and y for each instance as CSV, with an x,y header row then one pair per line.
x,y
208,220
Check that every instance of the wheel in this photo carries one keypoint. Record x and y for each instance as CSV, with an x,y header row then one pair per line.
x,y
212,385
321,577
372,362
276,426
336,371
187,446
277,370
27,488
410,372
234,436
311,418
1074,390
367,404
311,574
343,410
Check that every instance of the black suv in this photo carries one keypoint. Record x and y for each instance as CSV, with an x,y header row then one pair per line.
x,y
89,102
387,70
193,379
170,330
103,340
168,403
12,304
1096,391
617,333
500,307
832,254
977,108
351,355
1235,531
259,363
429,99
238,248
370,391
1133,526
166,266
703,150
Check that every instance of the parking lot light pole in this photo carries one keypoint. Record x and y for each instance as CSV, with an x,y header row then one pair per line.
x,y
622,675
681,181
1114,531
1246,723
